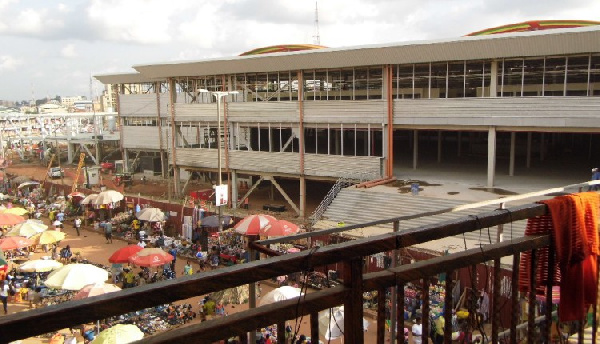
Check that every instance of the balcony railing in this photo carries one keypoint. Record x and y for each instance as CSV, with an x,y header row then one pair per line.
x,y
349,293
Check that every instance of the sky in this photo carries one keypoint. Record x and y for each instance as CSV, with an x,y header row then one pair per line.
x,y
52,48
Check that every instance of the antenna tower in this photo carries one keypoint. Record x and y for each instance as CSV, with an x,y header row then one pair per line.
x,y
317,37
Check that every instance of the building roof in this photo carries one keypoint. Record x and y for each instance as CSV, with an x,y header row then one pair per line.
x,y
521,44
125,78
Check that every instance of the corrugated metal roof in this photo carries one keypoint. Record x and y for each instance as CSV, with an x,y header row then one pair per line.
x,y
523,44
125,78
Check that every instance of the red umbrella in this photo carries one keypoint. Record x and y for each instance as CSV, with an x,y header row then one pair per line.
x,y
7,219
122,255
151,257
281,228
11,243
254,224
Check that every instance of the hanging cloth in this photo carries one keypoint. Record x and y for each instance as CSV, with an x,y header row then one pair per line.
x,y
573,224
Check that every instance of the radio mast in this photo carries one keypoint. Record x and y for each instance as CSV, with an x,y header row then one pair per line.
x,y
317,37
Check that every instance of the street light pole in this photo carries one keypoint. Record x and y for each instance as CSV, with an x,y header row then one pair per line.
x,y
218,96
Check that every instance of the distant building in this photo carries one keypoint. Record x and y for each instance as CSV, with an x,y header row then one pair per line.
x,y
82,106
51,108
70,101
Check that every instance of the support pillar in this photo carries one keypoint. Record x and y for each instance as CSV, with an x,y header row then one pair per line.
x,y
302,197
125,160
99,152
234,189
491,173
69,152
439,147
415,148
529,139
511,164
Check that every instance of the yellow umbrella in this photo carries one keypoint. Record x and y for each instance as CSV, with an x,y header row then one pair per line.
x,y
48,237
119,334
15,211
75,276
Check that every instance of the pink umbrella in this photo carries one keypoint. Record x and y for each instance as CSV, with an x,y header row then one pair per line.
x,y
254,224
95,289
151,257
14,242
281,228
7,219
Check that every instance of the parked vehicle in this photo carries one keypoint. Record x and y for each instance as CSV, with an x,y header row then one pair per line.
x,y
56,172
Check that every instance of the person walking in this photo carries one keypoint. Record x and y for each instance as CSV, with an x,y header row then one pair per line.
x,y
108,232
77,225
417,331
4,295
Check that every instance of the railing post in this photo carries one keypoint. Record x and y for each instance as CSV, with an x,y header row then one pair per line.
x,y
496,301
514,298
353,306
546,336
425,308
396,307
381,315
531,300
448,308
314,326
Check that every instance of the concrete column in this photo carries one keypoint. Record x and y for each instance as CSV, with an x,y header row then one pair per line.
x,y
302,197
125,160
542,138
69,152
491,173
439,147
511,164
415,148
529,139
494,79
99,152
234,189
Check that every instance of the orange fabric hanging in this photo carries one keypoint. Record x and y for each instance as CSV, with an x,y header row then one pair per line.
x,y
574,229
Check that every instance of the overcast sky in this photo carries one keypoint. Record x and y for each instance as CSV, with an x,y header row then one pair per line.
x,y
50,48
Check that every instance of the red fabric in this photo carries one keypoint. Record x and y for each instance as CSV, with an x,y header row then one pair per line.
x,y
574,229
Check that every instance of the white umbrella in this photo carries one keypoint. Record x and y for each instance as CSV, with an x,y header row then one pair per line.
x,y
26,184
75,276
107,197
280,294
40,265
28,228
150,214
331,323
89,199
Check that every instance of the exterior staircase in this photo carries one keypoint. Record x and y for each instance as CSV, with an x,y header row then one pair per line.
x,y
357,205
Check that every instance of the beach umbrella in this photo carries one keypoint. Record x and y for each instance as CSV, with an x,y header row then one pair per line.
x,y
281,228
331,323
122,255
150,214
119,334
213,221
107,197
40,265
15,242
28,228
20,179
280,294
89,199
28,183
15,211
253,224
95,290
2,258
75,276
237,295
10,219
48,237
151,257
76,194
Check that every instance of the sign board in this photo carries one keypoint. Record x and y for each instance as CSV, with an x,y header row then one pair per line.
x,y
221,195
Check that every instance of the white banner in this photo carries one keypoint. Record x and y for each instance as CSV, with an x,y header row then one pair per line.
x,y
221,195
